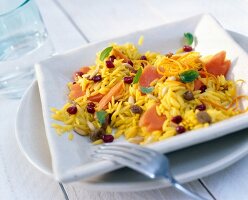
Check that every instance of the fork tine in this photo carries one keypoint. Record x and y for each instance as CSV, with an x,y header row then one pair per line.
x,y
133,146
124,155
118,159
130,151
123,161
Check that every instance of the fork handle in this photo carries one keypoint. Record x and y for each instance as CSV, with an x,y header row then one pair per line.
x,y
186,191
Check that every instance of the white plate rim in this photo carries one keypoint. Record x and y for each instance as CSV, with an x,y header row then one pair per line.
x,y
66,172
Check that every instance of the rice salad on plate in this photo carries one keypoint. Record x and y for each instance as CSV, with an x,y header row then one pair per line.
x,y
148,97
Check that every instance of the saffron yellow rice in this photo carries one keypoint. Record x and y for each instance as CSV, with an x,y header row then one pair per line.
x,y
220,97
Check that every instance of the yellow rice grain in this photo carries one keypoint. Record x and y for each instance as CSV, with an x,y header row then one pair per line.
x,y
70,136
100,141
141,40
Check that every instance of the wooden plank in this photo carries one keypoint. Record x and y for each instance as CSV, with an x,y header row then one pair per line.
x,y
19,179
229,14
230,183
100,20
75,191
62,33
98,25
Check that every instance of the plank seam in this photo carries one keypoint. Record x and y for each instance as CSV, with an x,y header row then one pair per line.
x,y
64,191
206,188
71,20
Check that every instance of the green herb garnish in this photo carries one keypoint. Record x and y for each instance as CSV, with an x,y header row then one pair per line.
x,y
137,76
146,89
101,116
189,38
189,76
105,53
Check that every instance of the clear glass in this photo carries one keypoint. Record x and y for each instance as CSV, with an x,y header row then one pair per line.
x,y
23,42
21,29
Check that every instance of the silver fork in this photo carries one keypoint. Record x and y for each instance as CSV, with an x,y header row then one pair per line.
x,y
143,160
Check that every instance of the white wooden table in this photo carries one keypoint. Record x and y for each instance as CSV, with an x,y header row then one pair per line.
x,y
72,23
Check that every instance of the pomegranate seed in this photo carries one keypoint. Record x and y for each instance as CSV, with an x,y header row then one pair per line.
x,y
177,119
201,107
112,58
107,138
143,58
203,88
180,129
90,109
97,78
130,62
79,74
187,48
128,79
72,110
110,64
91,104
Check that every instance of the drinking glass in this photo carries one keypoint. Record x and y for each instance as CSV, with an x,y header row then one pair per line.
x,y
23,42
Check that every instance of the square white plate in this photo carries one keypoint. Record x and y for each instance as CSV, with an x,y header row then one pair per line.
x,y
71,159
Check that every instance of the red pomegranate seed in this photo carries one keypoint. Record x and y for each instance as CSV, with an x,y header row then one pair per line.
x,y
112,58
130,62
90,109
91,104
203,88
128,79
79,74
110,64
97,78
143,58
187,48
108,138
72,110
201,107
180,129
177,119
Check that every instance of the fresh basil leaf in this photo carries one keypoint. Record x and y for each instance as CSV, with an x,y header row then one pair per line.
x,y
137,76
105,53
189,76
189,38
101,116
146,89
